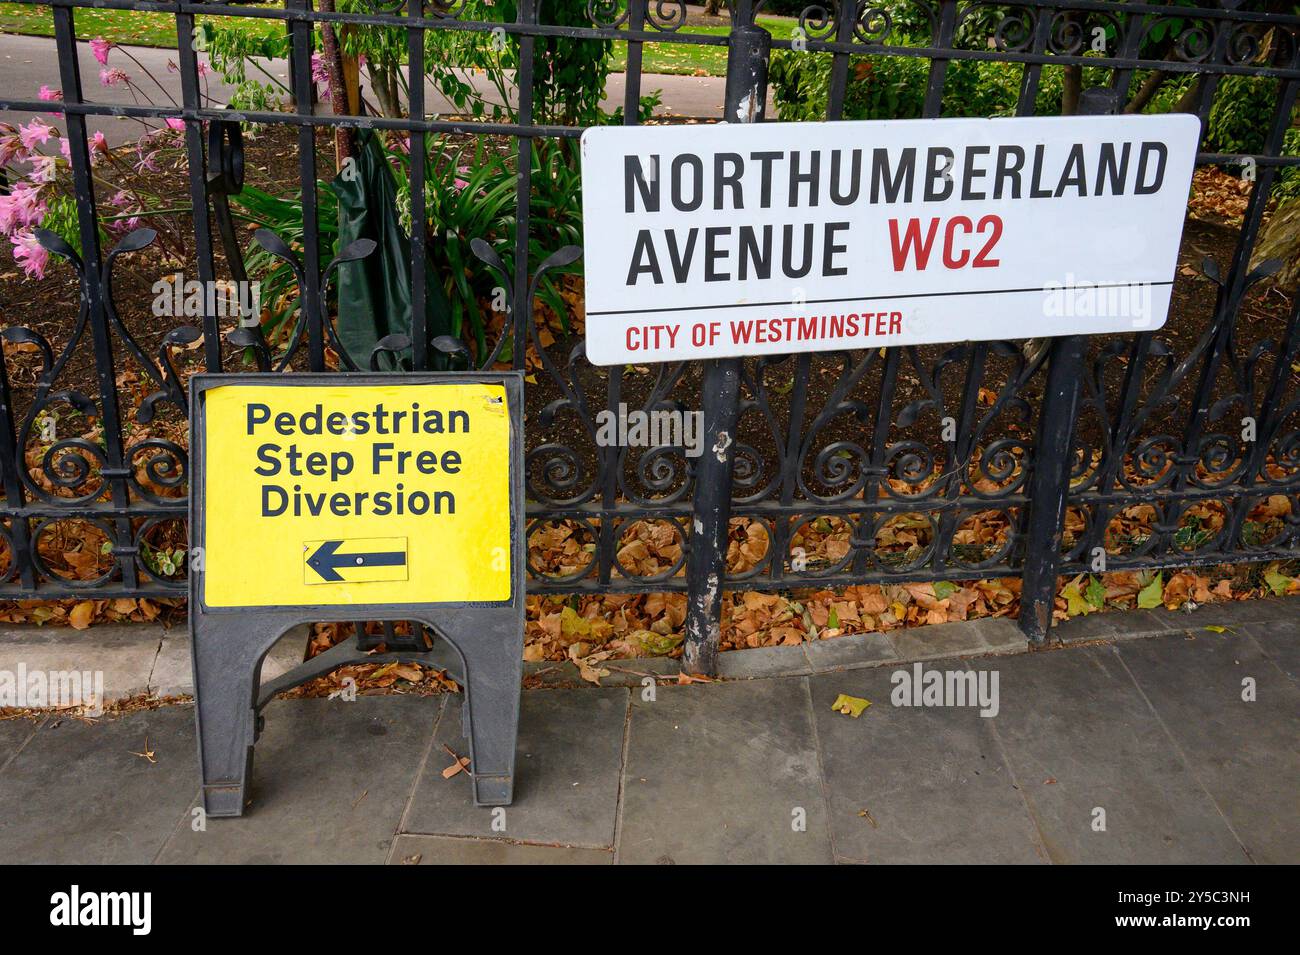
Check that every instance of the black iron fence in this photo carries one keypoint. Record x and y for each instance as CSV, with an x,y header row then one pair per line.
x,y
1176,447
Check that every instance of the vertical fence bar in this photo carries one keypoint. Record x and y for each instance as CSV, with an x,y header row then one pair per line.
x,y
636,17
783,527
748,50
846,17
302,89
417,154
524,186
191,99
115,469
1049,487
10,460
947,26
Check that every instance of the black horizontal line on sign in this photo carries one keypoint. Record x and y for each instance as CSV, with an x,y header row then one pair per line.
x,y
883,298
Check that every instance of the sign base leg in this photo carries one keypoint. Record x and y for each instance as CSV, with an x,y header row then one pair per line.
x,y
227,656
488,642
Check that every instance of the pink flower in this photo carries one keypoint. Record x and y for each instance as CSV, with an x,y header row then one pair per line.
x,y
113,77
11,146
320,76
100,47
98,148
43,168
21,208
35,133
29,253
172,67
147,162
175,123
66,148
50,95
203,68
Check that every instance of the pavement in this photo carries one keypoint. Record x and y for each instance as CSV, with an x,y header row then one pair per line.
x,y
27,63
1136,738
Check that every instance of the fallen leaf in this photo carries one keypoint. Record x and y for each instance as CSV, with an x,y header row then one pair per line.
x,y
1152,595
1277,582
850,705
82,614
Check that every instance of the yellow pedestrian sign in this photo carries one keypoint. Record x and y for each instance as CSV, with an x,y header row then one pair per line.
x,y
363,498
350,494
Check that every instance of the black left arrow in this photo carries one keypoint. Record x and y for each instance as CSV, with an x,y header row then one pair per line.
x,y
326,561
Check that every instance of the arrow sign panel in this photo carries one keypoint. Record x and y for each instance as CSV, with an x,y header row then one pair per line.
x,y
358,560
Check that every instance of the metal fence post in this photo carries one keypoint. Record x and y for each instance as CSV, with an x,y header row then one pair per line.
x,y
748,49
1049,487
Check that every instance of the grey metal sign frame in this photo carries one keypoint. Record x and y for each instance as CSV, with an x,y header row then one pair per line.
x,y
230,643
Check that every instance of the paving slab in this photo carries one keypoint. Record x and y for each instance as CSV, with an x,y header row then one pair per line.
x,y
1079,735
13,734
1280,641
850,652
173,670
79,792
1003,635
944,640
123,654
931,781
1112,626
1243,753
566,773
722,773
330,782
1229,613
760,662
445,850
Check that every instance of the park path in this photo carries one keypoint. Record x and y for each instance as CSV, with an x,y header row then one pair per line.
x,y
27,63
1179,746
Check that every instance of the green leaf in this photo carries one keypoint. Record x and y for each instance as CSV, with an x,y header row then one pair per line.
x,y
1153,594
834,620
1095,593
1277,581
944,589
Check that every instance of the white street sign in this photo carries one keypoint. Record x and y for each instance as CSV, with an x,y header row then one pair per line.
x,y
719,240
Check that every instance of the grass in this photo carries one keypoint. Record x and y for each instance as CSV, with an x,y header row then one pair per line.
x,y
120,26
159,30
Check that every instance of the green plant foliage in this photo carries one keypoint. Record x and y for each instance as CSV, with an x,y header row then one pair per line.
x,y
283,216
1241,115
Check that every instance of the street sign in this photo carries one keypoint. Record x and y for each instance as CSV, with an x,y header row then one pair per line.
x,y
355,497
726,240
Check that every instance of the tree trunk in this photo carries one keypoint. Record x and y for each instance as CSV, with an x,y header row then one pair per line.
x,y
332,54
1146,91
